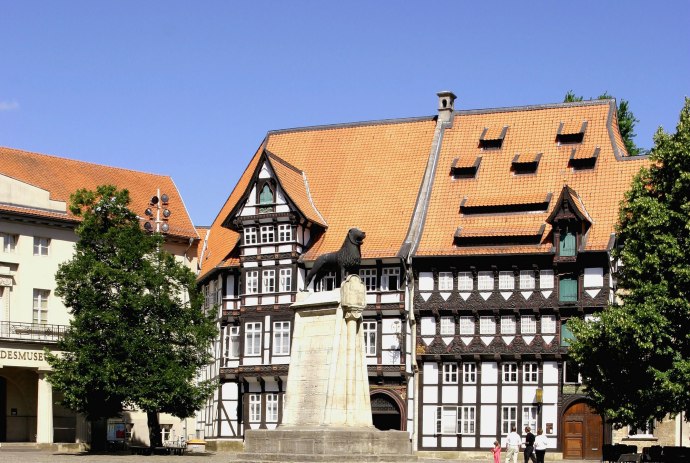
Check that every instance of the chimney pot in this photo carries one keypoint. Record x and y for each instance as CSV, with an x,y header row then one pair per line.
x,y
446,104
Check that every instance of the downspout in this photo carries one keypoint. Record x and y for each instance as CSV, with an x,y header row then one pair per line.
x,y
444,120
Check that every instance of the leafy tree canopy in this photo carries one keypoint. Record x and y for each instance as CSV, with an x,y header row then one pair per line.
x,y
626,121
635,360
138,336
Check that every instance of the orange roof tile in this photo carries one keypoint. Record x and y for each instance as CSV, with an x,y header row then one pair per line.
x,y
582,154
61,177
494,132
363,175
571,127
505,200
466,161
296,186
532,130
527,158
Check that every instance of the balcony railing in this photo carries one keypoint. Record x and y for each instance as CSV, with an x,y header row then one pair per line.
x,y
32,332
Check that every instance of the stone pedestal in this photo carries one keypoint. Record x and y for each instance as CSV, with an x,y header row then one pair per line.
x,y
328,412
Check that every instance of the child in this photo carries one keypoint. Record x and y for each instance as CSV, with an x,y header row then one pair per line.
x,y
497,452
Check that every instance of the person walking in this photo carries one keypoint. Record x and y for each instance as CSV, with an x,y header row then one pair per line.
x,y
540,444
529,446
512,445
496,451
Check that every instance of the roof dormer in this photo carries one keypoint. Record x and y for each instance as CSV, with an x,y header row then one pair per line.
x,y
571,132
525,163
492,137
581,160
465,166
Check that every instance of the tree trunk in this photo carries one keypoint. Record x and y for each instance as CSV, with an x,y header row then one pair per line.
x,y
99,434
155,438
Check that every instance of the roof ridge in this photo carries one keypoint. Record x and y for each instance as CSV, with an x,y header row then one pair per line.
x,y
77,161
503,109
272,155
353,124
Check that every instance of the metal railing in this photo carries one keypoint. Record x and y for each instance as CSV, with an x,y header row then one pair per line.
x,y
33,332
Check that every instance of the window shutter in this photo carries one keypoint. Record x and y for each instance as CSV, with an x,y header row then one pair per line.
x,y
567,290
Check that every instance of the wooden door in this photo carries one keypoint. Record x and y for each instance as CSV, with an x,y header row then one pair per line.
x,y
582,432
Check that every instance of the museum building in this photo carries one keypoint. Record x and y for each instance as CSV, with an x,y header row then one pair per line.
x,y
36,236
486,230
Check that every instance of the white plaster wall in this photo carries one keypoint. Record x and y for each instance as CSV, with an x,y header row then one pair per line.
x,y
426,281
488,421
469,394
429,419
489,372
529,394
430,371
489,394
550,373
428,326
449,394
430,394
509,394
594,277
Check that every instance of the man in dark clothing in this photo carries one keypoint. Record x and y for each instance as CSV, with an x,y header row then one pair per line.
x,y
529,446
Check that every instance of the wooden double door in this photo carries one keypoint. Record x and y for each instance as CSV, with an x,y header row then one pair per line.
x,y
582,433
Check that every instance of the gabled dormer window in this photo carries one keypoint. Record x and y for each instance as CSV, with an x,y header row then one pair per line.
x,y
266,199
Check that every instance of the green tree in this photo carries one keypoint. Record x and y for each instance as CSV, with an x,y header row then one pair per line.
x,y
138,336
635,359
626,121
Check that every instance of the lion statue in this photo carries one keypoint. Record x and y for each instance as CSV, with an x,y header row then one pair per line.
x,y
347,258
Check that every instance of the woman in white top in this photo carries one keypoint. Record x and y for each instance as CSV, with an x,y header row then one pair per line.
x,y
540,444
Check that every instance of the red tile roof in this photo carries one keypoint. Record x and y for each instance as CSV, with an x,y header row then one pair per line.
x,y
61,177
532,130
364,175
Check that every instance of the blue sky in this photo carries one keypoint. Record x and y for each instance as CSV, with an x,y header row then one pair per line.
x,y
189,89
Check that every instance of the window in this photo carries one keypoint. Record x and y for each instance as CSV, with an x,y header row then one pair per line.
x,y
469,373
8,242
267,234
252,338
546,279
450,373
266,199
166,432
566,334
485,281
487,325
268,281
528,324
571,373
327,282
281,338
369,328
41,306
567,242
510,372
41,246
232,342
506,281
368,276
284,232
530,374
567,289
548,324
508,325
285,280
255,408
445,281
447,326
508,419
250,235
271,408
467,419
645,431
207,297
465,281
252,282
467,325
390,280
446,420
529,417
527,281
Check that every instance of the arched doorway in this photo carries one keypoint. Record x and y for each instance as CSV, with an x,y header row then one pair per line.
x,y
386,412
582,432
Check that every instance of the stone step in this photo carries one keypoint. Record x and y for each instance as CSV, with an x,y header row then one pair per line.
x,y
301,458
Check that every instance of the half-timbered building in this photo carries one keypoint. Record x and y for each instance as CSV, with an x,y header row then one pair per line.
x,y
301,193
517,239
486,231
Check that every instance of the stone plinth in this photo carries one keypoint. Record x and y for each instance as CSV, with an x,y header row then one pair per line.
x,y
327,416
328,383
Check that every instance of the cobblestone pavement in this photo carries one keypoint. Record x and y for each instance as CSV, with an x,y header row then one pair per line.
x,y
42,456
